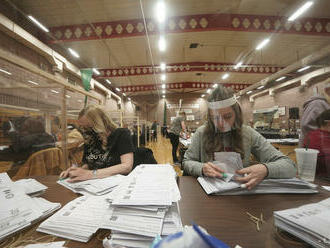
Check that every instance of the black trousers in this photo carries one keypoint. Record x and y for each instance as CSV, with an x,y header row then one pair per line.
x,y
175,143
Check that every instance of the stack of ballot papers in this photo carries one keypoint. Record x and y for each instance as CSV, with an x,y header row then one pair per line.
x,y
18,210
267,186
144,206
59,244
79,219
94,186
31,186
310,222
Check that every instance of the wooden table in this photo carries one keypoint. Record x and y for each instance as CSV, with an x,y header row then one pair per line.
x,y
225,216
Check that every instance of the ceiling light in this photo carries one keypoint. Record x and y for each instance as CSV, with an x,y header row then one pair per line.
x,y
215,85
202,95
262,44
163,77
225,76
31,82
238,65
117,89
163,91
301,10
128,99
68,96
124,94
55,91
80,100
162,44
162,66
281,78
163,86
160,11
108,81
38,23
260,87
304,68
249,92
74,53
163,96
96,71
4,71
208,91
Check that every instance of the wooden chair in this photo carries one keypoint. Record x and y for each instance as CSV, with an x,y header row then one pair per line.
x,y
45,162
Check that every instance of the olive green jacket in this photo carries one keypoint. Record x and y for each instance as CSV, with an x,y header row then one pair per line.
x,y
278,165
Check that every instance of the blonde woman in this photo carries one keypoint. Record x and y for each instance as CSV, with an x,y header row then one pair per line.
x,y
108,150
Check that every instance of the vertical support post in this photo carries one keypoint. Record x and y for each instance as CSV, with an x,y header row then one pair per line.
x,y
138,131
63,128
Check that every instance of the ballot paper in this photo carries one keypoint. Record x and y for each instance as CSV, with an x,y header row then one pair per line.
x,y
144,206
59,244
94,186
309,222
267,186
85,213
31,186
230,162
18,210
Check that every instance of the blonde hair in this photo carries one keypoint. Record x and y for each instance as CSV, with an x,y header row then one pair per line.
x,y
102,123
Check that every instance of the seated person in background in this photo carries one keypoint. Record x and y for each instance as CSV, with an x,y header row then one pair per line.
x,y
108,150
312,108
224,132
31,138
319,139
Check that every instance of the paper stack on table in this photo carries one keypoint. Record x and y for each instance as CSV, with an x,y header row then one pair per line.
x,y
18,210
310,222
59,244
79,219
94,186
31,186
144,206
267,186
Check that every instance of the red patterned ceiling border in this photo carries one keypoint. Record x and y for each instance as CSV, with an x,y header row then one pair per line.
x,y
192,23
178,86
186,67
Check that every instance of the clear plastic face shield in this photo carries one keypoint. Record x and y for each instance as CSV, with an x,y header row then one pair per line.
x,y
222,115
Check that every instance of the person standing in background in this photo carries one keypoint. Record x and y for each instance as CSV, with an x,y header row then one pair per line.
x,y
154,131
312,109
177,126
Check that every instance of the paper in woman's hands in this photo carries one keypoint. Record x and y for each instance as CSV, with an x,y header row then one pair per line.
x,y
230,162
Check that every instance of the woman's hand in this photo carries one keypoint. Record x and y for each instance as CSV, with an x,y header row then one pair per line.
x,y
64,174
211,170
79,174
254,175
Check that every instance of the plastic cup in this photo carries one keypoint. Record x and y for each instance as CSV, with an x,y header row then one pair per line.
x,y
306,161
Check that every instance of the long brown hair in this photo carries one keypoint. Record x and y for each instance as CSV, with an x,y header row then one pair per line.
x,y
212,139
102,123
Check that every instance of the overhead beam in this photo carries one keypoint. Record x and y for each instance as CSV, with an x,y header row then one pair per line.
x,y
187,67
192,23
178,86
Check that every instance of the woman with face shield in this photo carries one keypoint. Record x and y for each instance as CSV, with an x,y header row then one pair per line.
x,y
224,132
108,150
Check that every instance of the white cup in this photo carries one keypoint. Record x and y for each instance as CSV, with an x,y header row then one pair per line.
x,y
306,161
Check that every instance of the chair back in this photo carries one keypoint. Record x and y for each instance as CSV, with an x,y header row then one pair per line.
x,y
45,162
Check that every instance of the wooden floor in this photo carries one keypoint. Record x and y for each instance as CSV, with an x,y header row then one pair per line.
x,y
162,150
